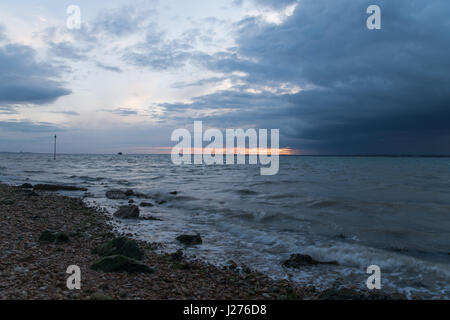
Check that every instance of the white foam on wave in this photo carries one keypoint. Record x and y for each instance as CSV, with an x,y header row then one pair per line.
x,y
354,255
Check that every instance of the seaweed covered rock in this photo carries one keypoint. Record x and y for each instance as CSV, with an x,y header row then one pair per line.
x,y
119,263
120,246
61,237
190,240
300,260
48,236
127,212
177,256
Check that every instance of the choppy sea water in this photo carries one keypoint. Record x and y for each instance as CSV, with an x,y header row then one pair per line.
x,y
359,211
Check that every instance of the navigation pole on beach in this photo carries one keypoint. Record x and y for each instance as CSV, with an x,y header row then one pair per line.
x,y
54,150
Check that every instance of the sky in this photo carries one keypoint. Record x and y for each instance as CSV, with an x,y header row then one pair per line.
x,y
137,70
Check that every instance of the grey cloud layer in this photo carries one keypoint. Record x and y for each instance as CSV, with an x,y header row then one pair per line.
x,y
24,80
384,91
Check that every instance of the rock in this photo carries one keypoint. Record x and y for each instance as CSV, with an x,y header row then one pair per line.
x,y
246,270
7,202
129,192
61,237
27,186
120,263
232,265
300,260
161,201
173,193
116,194
190,240
51,237
120,246
54,187
177,256
47,236
127,212
130,201
146,204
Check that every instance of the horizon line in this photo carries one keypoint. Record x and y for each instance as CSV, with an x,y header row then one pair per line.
x,y
290,155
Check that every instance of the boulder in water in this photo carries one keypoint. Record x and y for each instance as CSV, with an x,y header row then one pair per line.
x,y
190,240
300,260
27,186
127,212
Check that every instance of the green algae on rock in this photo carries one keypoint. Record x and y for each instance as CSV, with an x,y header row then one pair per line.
x,y
120,246
120,263
48,236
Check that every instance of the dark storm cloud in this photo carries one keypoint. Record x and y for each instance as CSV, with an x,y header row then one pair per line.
x,y
24,80
238,100
380,91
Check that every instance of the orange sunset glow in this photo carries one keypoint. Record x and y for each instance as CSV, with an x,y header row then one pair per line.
x,y
247,151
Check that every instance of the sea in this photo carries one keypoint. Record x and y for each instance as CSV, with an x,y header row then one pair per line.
x,y
391,212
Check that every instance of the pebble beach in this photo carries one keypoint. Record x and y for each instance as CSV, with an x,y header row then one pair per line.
x,y
31,268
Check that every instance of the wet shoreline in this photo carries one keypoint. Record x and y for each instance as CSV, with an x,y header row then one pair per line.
x,y
33,269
